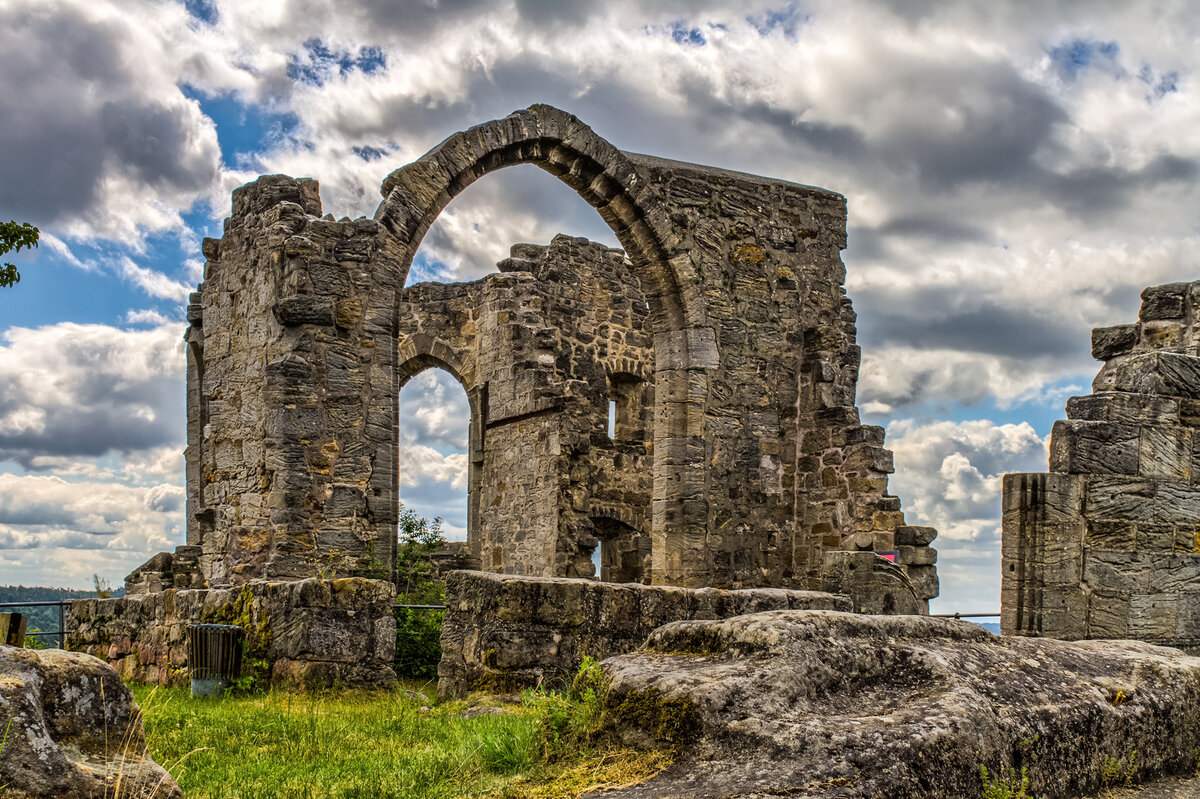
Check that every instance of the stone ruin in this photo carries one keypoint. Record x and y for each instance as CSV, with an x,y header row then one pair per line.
x,y
1107,544
721,339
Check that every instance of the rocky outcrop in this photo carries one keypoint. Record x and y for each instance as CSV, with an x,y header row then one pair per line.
x,y
825,704
72,731
502,633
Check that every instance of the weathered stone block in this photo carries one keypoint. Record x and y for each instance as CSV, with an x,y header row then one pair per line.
x,y
914,536
1119,499
1165,453
508,632
1163,302
1109,342
304,311
1124,408
1044,497
1153,617
1170,373
1079,447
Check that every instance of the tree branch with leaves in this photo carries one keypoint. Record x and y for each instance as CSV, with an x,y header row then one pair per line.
x,y
14,237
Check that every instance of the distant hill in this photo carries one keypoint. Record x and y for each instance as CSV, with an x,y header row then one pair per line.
x,y
43,618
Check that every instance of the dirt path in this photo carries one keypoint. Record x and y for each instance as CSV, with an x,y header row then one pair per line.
x,y
1178,788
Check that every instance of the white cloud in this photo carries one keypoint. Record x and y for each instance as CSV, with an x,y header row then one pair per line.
x,y
70,390
99,137
46,511
156,284
147,316
948,476
420,465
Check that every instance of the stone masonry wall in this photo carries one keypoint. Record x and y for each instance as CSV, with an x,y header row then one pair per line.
x,y
288,447
504,633
540,349
308,632
1107,544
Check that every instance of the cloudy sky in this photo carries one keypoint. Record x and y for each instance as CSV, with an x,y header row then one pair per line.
x,y
1015,172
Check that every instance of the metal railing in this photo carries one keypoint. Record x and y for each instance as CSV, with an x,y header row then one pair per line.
x,y
61,632
964,615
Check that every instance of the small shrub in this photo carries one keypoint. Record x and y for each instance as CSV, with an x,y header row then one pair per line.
x,y
1115,771
35,641
1005,785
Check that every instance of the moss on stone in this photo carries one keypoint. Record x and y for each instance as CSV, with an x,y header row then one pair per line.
x,y
668,719
240,612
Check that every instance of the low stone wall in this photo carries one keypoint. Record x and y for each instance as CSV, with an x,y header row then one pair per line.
x,y
306,633
502,633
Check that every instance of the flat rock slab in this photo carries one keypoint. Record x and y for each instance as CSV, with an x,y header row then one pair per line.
x,y
71,730
829,704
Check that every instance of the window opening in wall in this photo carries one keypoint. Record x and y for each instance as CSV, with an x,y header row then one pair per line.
x,y
625,408
596,561
433,467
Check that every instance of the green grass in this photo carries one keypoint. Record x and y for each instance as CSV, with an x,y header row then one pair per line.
x,y
362,744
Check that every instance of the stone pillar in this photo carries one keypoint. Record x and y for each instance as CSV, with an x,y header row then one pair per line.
x,y
1105,545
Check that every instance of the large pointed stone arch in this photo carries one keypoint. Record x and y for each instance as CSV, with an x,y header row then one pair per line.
x,y
558,142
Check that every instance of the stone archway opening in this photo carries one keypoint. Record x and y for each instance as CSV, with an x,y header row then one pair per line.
x,y
607,180
623,553
479,226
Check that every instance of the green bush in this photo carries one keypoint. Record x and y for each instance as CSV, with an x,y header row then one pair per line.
x,y
418,632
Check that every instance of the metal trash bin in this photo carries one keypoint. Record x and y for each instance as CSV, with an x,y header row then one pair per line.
x,y
214,654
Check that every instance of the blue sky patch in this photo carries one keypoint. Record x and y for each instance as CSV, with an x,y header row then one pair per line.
x,y
685,35
242,129
203,10
319,62
1076,55
368,153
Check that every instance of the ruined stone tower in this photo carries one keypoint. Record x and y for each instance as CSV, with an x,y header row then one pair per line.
x,y
722,333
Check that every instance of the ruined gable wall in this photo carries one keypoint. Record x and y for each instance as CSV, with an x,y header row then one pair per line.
x,y
760,468
790,473
1106,544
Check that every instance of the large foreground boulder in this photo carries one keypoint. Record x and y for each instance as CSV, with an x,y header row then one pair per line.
x,y
828,704
71,730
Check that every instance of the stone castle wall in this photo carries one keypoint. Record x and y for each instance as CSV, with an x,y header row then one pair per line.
x,y
733,330
540,348
1107,544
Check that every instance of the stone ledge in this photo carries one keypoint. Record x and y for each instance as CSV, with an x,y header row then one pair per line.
x,y
503,632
